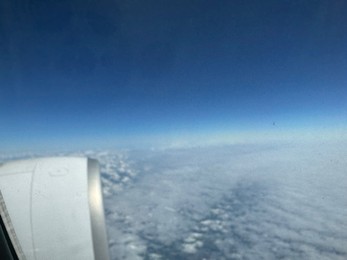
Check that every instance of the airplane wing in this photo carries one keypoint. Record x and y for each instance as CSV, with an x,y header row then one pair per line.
x,y
52,208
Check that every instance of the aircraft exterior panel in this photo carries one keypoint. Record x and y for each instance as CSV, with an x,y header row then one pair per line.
x,y
55,205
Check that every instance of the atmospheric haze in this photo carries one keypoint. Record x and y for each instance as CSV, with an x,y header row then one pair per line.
x,y
246,201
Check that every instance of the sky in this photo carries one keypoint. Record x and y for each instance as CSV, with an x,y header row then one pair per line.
x,y
88,73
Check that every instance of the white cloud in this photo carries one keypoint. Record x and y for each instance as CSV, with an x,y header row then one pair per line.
x,y
244,201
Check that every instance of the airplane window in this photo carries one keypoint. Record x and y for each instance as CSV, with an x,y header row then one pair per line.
x,y
220,126
7,250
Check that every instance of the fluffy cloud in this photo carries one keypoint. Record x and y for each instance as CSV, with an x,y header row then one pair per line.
x,y
232,202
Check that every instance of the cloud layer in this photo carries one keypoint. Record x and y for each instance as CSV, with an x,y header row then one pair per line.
x,y
227,202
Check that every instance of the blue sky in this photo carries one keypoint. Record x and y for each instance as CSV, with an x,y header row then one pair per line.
x,y
109,72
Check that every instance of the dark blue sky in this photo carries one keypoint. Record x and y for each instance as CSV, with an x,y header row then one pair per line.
x,y
87,71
